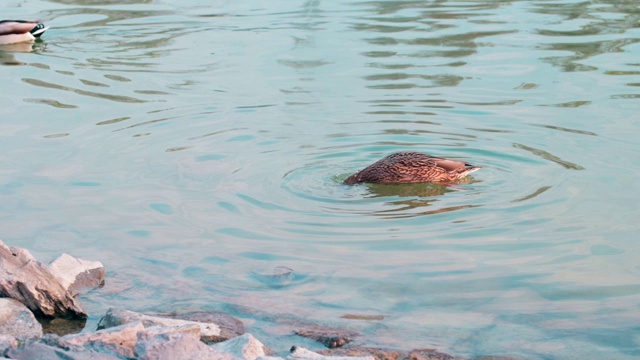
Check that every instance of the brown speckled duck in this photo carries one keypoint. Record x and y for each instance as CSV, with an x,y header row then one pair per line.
x,y
412,167
16,31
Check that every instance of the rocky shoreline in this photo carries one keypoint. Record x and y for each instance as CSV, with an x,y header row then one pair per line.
x,y
32,293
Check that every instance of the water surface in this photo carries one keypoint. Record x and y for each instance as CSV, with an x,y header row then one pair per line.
x,y
197,149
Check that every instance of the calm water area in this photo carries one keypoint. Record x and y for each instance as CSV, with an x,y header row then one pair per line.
x,y
197,148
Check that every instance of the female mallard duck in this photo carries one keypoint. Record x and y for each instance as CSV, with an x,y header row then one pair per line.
x,y
412,167
16,31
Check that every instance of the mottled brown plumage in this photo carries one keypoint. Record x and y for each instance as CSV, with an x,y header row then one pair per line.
x,y
412,167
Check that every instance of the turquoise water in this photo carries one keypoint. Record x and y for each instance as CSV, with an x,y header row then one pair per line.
x,y
197,148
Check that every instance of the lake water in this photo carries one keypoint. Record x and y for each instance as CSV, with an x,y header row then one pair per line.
x,y
197,149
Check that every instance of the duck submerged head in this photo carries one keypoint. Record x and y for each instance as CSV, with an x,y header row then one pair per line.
x,y
412,167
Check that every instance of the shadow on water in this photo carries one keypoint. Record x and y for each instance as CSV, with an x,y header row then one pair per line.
x,y
548,156
414,200
406,190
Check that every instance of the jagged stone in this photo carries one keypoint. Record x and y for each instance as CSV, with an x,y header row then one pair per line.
x,y
244,347
18,321
377,353
77,275
7,342
230,327
31,282
429,354
210,331
331,338
384,354
41,350
119,340
175,342
300,353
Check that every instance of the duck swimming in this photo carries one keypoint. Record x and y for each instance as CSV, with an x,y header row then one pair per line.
x,y
16,31
412,167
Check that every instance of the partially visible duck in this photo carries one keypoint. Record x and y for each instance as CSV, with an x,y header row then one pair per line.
x,y
16,31
412,167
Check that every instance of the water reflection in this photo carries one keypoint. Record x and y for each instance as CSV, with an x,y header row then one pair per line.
x,y
403,190
111,97
101,2
533,195
612,19
5,50
548,156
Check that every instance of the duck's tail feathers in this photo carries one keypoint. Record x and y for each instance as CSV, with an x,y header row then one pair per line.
x,y
39,30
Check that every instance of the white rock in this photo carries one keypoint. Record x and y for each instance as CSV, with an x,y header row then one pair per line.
x,y
244,347
171,343
18,321
31,282
120,340
115,317
7,342
76,274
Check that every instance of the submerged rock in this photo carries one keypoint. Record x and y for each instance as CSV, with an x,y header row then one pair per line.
x,y
276,278
430,354
18,321
31,282
331,338
214,327
300,353
385,354
363,317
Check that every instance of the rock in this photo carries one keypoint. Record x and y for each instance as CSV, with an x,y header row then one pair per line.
x,y
244,347
276,278
331,338
210,331
300,353
61,327
362,317
378,354
7,342
230,327
170,343
29,281
429,354
41,350
383,354
76,275
18,321
118,341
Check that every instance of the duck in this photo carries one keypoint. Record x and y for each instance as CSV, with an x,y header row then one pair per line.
x,y
412,167
17,31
